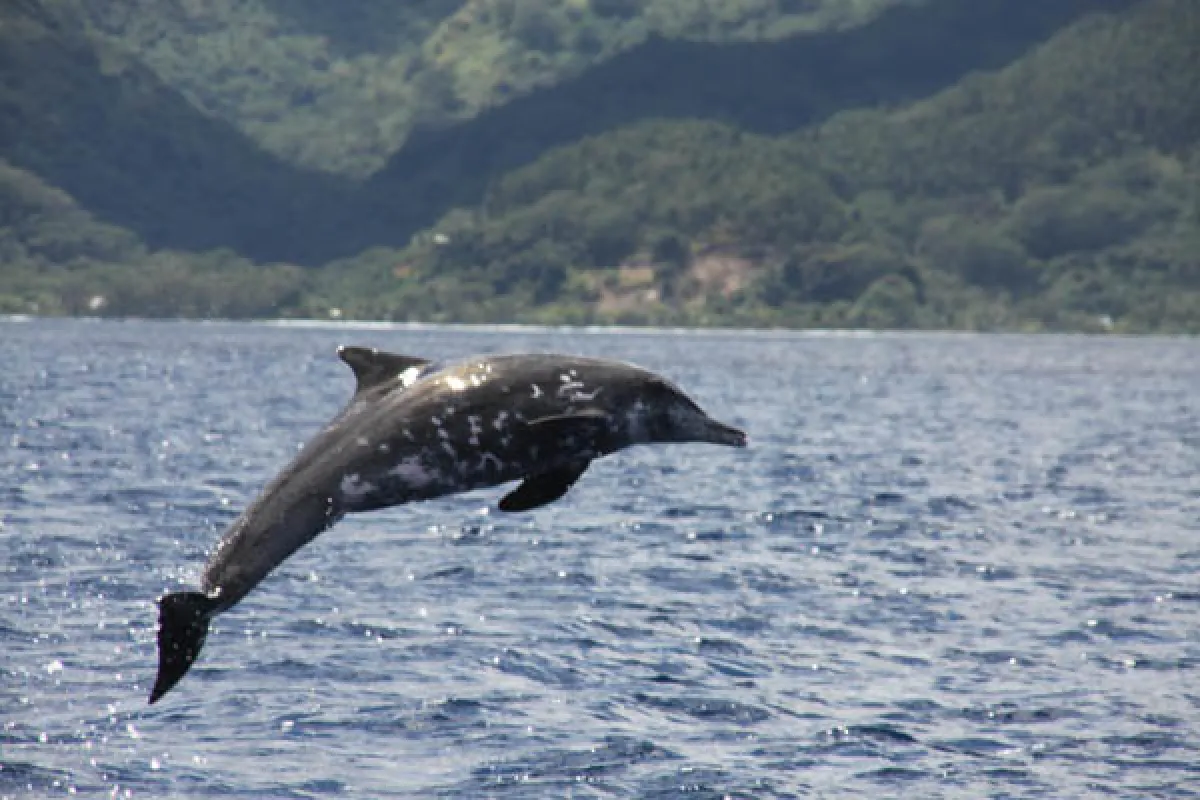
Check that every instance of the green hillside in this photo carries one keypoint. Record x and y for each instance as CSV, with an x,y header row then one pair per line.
x,y
339,87
1060,192
986,164
56,258
90,120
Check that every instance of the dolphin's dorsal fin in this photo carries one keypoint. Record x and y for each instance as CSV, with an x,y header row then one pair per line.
x,y
373,367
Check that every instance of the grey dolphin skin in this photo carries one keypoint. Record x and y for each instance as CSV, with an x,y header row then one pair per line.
x,y
414,431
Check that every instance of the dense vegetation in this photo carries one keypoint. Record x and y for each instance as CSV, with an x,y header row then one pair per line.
x,y
1033,183
339,88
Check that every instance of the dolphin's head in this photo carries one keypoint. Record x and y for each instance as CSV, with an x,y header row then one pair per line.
x,y
666,414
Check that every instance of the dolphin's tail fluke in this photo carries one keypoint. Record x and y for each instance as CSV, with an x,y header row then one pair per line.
x,y
182,625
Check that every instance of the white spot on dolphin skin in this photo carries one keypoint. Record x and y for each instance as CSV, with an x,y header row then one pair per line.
x,y
500,420
363,441
537,391
385,448
586,397
455,383
476,424
443,434
450,451
412,472
490,458
409,376
436,421
408,435
353,488
568,387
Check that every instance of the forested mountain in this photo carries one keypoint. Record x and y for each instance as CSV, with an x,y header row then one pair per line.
x,y
1013,164
338,86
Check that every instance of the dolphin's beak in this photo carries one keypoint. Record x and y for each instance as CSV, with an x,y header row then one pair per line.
x,y
720,433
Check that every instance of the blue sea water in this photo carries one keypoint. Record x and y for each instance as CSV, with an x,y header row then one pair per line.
x,y
947,566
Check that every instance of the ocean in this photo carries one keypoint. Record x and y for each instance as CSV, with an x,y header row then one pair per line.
x,y
947,566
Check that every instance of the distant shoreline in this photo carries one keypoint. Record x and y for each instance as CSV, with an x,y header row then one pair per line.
x,y
603,330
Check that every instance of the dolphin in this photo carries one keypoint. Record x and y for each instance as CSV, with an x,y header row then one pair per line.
x,y
415,430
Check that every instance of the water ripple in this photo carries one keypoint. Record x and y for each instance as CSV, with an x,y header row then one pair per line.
x,y
948,566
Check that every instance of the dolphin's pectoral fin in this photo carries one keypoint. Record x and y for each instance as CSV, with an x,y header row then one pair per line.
x,y
373,367
543,488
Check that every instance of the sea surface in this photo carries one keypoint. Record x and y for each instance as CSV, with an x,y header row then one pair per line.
x,y
954,566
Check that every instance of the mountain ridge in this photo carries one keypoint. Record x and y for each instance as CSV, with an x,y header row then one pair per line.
x,y
183,161
672,182
340,91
